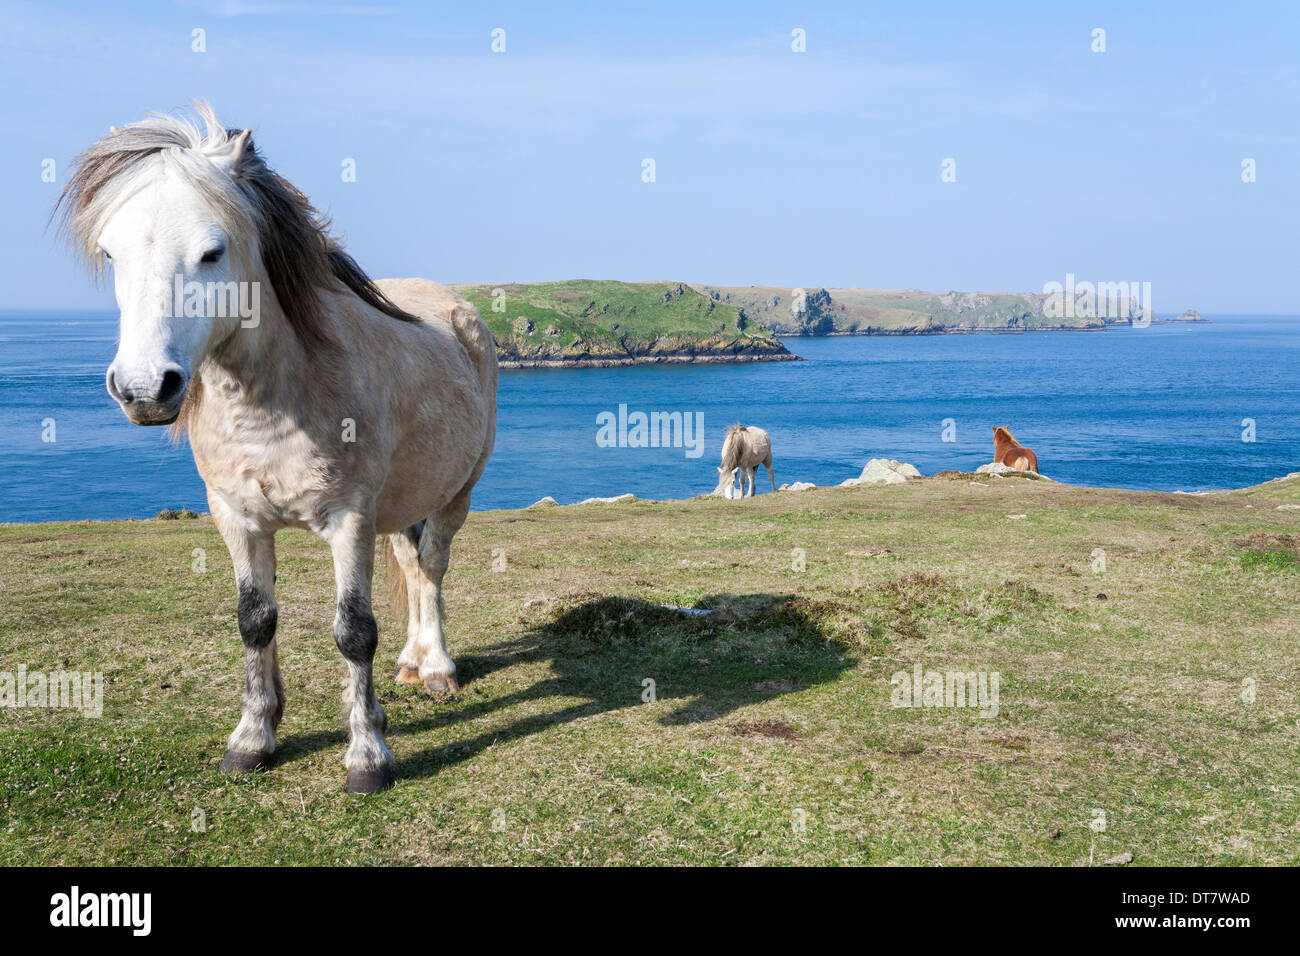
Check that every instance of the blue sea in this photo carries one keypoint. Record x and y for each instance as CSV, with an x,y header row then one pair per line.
x,y
1159,408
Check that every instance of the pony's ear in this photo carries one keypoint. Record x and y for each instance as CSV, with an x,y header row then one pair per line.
x,y
230,155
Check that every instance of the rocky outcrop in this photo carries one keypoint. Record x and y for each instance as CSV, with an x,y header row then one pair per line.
x,y
997,468
664,350
883,471
823,311
797,486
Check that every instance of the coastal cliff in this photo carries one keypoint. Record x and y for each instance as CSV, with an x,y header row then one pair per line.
x,y
586,323
821,311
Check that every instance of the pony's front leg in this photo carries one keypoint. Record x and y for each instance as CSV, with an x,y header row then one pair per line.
x,y
253,555
351,539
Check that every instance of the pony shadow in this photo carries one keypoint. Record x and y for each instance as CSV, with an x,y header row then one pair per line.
x,y
610,653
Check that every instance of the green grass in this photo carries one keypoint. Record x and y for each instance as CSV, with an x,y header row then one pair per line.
x,y
1170,703
582,321
1273,560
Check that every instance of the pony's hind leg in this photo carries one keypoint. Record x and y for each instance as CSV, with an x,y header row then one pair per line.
x,y
253,742
351,538
437,669
770,476
406,553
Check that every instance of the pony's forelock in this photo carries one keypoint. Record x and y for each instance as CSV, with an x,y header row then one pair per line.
x,y
117,166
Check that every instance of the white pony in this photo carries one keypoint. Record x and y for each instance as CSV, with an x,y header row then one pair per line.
x,y
743,450
313,397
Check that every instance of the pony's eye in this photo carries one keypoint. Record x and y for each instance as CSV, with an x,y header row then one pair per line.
x,y
107,257
212,255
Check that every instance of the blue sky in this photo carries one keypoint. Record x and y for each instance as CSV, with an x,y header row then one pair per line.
x,y
772,167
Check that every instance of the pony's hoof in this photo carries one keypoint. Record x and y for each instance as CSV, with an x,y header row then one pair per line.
x,y
442,684
242,761
407,675
368,781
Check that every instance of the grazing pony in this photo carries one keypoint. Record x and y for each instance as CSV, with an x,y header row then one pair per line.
x,y
313,397
743,450
1009,452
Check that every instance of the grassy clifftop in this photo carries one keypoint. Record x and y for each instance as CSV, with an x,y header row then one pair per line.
x,y
907,312
583,322
1144,644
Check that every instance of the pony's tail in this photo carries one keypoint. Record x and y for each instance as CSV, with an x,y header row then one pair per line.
x,y
396,582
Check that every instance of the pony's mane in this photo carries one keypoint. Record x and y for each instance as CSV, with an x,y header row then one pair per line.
x,y
731,445
298,252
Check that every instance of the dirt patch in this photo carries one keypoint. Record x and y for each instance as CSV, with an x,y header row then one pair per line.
x,y
765,728
903,602
907,751
1271,542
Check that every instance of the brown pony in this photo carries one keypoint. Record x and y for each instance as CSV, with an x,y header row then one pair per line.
x,y
1011,453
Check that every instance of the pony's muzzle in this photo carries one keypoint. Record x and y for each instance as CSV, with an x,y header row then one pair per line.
x,y
151,397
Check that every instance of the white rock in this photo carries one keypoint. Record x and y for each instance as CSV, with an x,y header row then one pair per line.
x,y
547,502
997,468
608,501
797,486
887,471
688,611
1288,507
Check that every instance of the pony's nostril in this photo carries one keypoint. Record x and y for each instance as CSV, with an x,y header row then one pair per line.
x,y
172,383
121,394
